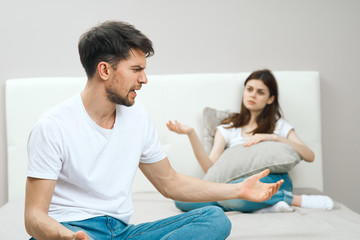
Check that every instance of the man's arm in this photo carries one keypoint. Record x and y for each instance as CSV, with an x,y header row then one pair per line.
x,y
188,189
37,221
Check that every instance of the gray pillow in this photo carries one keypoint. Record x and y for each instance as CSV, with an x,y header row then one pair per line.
x,y
212,118
239,161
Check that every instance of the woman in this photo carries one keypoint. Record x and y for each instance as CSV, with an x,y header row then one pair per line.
x,y
259,120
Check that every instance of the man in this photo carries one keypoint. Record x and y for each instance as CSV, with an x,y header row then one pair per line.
x,y
83,155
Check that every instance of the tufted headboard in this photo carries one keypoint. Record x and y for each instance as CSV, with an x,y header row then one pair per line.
x,y
169,97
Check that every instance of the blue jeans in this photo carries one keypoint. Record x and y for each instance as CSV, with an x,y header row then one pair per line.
x,y
203,223
284,194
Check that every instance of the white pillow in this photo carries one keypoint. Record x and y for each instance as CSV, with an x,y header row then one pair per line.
x,y
239,161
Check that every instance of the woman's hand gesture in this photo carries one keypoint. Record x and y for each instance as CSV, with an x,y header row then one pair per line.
x,y
179,128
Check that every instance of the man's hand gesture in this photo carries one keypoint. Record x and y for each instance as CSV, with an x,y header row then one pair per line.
x,y
80,235
254,190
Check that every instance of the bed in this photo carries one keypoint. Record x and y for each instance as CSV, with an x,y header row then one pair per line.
x,y
183,97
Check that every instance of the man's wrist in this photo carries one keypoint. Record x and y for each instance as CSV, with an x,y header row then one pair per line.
x,y
68,235
238,191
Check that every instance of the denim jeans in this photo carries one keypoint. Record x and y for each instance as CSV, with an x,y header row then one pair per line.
x,y
284,194
203,223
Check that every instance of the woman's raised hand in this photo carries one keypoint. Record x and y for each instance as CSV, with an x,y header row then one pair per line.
x,y
179,128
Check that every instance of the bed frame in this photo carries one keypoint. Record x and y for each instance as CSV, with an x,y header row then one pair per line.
x,y
173,97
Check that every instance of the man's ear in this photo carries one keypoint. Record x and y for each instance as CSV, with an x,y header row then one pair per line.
x,y
270,100
104,69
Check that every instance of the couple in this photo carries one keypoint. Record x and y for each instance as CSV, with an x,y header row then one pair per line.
x,y
84,152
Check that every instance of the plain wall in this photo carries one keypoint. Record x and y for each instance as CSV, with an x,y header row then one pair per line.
x,y
39,39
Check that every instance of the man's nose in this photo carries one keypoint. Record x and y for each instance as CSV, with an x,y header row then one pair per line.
x,y
143,79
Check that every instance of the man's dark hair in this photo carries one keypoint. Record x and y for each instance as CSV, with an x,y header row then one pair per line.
x,y
111,42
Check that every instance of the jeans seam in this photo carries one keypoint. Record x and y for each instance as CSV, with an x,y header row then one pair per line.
x,y
178,219
180,228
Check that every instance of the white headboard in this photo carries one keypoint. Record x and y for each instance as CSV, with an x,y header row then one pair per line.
x,y
169,97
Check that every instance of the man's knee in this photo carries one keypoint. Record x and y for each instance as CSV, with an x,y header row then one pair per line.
x,y
219,221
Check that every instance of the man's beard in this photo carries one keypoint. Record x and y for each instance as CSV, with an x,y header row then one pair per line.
x,y
117,99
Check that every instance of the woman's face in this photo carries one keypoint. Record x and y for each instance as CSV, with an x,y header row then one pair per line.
x,y
256,95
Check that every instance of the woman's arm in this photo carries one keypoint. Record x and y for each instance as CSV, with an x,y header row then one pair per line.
x,y
292,139
204,160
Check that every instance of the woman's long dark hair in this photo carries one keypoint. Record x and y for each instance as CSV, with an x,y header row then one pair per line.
x,y
266,121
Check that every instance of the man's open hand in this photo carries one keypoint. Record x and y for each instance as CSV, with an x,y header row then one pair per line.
x,y
254,190
80,235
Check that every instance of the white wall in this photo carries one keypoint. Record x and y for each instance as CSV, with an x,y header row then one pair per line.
x,y
39,38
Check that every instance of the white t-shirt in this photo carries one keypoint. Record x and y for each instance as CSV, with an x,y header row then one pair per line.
x,y
94,167
233,136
